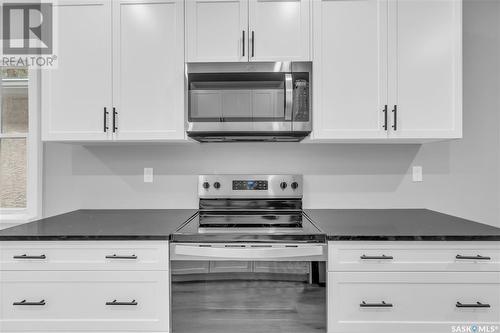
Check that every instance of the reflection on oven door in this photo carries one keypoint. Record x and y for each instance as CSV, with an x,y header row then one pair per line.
x,y
248,296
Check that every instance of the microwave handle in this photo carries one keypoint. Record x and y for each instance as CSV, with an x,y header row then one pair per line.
x,y
231,253
288,96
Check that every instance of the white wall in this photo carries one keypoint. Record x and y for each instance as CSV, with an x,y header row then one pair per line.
x,y
460,177
465,174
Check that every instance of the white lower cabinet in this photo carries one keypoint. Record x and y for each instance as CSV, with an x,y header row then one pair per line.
x,y
94,286
84,256
414,256
413,286
411,301
84,301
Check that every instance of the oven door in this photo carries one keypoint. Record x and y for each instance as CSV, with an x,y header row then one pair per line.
x,y
248,288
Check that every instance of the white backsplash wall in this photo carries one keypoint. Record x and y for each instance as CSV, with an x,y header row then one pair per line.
x,y
460,177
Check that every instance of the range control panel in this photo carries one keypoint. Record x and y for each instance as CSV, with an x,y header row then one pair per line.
x,y
250,186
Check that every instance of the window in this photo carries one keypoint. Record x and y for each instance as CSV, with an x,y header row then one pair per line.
x,y
19,143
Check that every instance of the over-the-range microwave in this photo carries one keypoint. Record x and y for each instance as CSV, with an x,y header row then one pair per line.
x,y
229,102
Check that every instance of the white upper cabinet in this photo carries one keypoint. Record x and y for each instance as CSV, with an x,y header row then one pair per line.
x,y
217,30
350,71
120,73
426,68
247,30
405,54
148,89
279,30
76,94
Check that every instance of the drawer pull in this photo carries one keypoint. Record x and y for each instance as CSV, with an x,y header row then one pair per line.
x,y
474,305
25,303
114,256
115,302
25,256
375,305
382,257
478,257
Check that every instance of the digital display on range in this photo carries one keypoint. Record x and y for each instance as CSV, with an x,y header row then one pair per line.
x,y
250,185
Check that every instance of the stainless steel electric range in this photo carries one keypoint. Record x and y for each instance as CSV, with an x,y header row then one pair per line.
x,y
250,260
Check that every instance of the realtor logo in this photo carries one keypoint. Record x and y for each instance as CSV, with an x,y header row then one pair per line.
x,y
27,28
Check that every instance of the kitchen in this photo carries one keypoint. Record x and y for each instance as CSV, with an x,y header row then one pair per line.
x,y
364,187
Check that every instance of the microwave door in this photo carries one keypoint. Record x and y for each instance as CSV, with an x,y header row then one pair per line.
x,y
241,98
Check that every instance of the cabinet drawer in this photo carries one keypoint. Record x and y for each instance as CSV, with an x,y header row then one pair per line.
x,y
414,302
414,256
83,301
96,255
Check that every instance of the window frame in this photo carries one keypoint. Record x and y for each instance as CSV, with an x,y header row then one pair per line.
x,y
32,211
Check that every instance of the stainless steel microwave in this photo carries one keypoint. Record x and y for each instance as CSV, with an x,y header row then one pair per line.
x,y
229,102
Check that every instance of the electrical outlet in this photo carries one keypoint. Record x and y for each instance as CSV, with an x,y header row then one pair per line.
x,y
418,174
148,175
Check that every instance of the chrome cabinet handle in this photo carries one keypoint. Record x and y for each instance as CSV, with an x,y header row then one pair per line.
x,y
375,305
114,256
106,119
115,302
478,257
243,43
382,257
385,111
115,114
395,112
25,303
473,305
25,256
253,44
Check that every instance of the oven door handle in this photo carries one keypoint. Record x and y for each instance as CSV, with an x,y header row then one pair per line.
x,y
247,253
288,97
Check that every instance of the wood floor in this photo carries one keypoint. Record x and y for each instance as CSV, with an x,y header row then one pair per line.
x,y
248,307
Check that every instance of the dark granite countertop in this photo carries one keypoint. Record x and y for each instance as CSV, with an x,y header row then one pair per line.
x,y
337,224
398,224
120,224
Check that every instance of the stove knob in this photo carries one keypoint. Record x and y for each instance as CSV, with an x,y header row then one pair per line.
x,y
217,185
206,185
283,185
294,185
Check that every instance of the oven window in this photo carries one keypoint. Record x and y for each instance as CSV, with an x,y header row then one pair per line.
x,y
236,97
246,296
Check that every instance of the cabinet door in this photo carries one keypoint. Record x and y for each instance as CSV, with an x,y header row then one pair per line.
x,y
350,72
414,301
280,30
425,65
75,93
83,301
217,30
148,69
